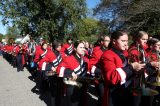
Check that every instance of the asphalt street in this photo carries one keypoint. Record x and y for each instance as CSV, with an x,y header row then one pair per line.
x,y
19,89
16,87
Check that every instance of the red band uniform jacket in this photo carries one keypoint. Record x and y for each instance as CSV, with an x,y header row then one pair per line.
x,y
73,63
94,62
153,56
66,50
39,54
116,71
53,58
78,65
140,55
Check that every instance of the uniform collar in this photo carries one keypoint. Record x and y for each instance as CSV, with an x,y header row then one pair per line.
x,y
103,48
117,51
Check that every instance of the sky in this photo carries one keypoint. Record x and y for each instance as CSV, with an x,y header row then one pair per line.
x,y
2,28
90,3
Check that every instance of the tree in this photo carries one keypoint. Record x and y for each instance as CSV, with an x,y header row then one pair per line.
x,y
12,32
132,15
44,17
90,28
87,30
1,37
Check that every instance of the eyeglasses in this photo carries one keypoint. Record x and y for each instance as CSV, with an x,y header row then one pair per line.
x,y
106,40
82,47
157,44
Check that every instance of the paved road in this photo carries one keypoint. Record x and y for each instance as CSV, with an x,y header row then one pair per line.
x,y
15,87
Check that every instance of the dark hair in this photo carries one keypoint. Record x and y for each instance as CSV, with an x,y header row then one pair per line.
x,y
56,44
115,35
44,43
139,35
100,39
156,36
76,43
69,38
152,41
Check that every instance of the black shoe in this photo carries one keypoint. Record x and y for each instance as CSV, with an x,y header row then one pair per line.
x,y
14,66
18,70
21,69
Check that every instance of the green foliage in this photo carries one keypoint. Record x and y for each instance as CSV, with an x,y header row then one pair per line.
x,y
88,27
44,17
91,39
12,32
1,37
51,19
10,36
132,15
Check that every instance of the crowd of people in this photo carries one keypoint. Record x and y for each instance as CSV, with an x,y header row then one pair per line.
x,y
121,74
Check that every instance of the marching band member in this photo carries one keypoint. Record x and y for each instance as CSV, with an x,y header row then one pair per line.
x,y
40,53
153,56
9,52
95,67
96,55
31,55
52,59
20,57
73,67
14,62
86,44
1,45
4,51
48,67
90,51
137,53
25,52
67,48
153,50
117,72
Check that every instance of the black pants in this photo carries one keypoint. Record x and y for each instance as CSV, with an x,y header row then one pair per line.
x,y
157,98
0,52
44,84
75,96
100,92
14,63
56,89
120,96
19,62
